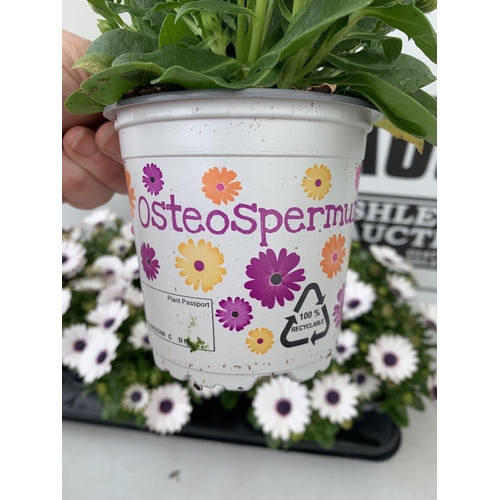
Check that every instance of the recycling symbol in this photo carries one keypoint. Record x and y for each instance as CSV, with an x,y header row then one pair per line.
x,y
318,317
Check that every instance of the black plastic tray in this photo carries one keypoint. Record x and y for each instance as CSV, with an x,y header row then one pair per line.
x,y
373,437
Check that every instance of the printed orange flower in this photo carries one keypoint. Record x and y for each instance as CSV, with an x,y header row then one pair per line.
x,y
317,183
131,194
219,185
333,254
260,340
201,266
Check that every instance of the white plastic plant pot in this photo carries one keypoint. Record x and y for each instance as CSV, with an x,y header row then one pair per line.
x,y
243,205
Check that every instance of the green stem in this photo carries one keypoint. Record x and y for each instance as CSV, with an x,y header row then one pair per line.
x,y
267,21
258,29
297,5
328,46
240,35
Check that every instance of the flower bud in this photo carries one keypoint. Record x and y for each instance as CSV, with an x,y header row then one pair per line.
x,y
105,25
209,21
426,6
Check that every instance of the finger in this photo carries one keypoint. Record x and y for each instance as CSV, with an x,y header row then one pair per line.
x,y
80,146
81,189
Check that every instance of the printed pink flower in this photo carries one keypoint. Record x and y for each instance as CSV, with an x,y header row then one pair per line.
x,y
235,314
273,278
149,263
152,178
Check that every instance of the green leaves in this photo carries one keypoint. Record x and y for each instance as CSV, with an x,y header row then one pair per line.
x,y
412,21
266,43
215,6
406,113
308,24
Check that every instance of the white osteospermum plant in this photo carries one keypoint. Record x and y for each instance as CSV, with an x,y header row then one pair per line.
x,y
105,342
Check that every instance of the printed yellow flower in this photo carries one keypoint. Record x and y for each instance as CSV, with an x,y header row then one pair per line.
x,y
334,254
201,266
317,183
260,340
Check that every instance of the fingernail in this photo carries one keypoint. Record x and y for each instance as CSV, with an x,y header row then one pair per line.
x,y
84,144
109,143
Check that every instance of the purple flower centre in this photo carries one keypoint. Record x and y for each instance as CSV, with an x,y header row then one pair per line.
x,y
148,261
353,303
220,186
109,322
340,348
430,324
79,345
260,341
199,266
235,314
390,359
360,379
145,339
64,258
136,396
152,179
109,272
283,407
335,256
102,356
166,406
333,397
317,182
387,260
276,279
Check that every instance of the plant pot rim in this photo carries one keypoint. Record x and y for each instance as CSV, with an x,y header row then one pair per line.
x,y
251,93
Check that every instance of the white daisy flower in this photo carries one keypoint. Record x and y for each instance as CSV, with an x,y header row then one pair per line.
x,y
351,277
346,346
368,385
139,337
281,407
73,258
72,232
358,299
75,340
109,316
109,267
131,268
66,299
393,358
127,232
389,258
432,386
119,246
134,296
205,392
428,313
169,408
88,284
135,398
401,287
335,397
114,291
100,352
99,218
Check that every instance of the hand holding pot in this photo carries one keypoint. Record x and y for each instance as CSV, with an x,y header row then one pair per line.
x,y
92,167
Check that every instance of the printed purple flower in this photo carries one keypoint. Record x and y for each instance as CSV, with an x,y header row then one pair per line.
x,y
358,176
149,263
152,178
337,309
273,278
235,314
